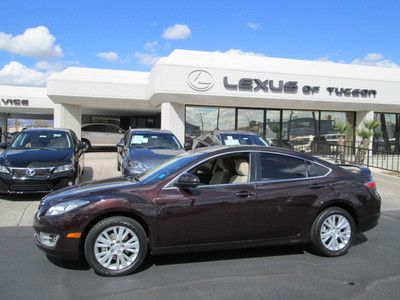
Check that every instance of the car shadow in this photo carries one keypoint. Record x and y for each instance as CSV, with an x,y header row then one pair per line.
x,y
227,254
23,197
208,256
67,264
87,174
359,239
103,149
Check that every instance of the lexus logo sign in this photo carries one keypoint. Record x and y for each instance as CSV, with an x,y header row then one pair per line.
x,y
30,172
200,80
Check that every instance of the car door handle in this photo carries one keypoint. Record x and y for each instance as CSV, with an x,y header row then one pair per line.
x,y
244,194
317,185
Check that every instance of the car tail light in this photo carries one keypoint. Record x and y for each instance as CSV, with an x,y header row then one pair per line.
x,y
371,185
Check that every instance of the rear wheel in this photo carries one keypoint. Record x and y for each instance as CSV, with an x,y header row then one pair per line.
x,y
116,246
333,232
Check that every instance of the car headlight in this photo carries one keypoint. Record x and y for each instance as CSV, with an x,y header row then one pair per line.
x,y
64,168
64,207
135,166
3,169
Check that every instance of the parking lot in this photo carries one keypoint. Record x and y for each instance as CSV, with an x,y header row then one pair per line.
x,y
371,269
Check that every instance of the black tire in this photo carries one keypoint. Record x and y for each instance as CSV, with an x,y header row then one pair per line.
x,y
89,146
118,166
316,240
99,228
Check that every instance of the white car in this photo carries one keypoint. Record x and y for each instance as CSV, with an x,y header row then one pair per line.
x,y
101,135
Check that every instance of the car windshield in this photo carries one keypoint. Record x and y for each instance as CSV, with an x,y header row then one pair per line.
x,y
42,139
168,167
242,139
154,141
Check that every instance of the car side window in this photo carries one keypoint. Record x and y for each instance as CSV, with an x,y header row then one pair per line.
x,y
208,140
111,129
279,167
315,170
94,128
226,169
86,128
198,143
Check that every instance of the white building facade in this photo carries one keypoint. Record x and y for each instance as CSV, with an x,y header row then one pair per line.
x,y
190,92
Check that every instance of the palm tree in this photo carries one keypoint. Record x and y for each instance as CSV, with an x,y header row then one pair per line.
x,y
342,128
365,133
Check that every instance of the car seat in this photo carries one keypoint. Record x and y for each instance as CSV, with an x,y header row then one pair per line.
x,y
242,171
221,173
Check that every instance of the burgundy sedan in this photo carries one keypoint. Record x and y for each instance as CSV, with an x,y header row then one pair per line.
x,y
209,199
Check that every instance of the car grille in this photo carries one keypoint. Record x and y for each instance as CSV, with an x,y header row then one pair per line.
x,y
21,172
31,187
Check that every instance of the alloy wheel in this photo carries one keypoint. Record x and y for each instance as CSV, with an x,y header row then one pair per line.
x,y
335,232
116,248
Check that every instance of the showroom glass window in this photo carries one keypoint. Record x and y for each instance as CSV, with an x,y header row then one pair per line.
x,y
299,128
273,126
15,123
386,136
329,121
251,120
200,119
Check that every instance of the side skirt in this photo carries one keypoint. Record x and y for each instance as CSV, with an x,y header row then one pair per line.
x,y
228,245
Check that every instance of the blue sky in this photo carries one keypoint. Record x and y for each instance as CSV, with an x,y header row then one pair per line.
x,y
40,37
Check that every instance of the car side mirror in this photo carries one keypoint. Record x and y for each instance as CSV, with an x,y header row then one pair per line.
x,y
83,146
187,146
3,145
186,181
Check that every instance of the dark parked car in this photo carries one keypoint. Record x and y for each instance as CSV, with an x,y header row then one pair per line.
x,y
228,138
208,199
40,160
142,149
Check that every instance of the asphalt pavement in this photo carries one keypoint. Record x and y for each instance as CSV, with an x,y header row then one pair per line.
x,y
371,270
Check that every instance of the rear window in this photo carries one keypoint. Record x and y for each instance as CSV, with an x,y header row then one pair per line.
x,y
242,139
154,141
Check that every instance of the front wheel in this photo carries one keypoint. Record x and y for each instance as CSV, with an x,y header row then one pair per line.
x,y
116,246
333,232
87,144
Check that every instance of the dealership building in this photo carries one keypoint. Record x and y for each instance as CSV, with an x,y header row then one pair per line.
x,y
190,92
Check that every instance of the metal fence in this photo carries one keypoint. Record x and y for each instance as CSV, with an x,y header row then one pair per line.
x,y
378,156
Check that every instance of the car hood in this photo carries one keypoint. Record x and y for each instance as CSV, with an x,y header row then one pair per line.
x,y
36,158
152,157
81,190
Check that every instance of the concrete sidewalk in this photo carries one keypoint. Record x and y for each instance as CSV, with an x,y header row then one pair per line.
x,y
18,210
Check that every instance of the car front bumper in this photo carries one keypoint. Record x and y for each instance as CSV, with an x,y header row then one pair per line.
x,y
65,248
19,185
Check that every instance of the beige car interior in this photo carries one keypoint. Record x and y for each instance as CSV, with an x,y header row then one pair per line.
x,y
231,169
242,171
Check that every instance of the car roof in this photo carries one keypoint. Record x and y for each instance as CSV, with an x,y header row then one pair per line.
x,y
270,149
149,130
